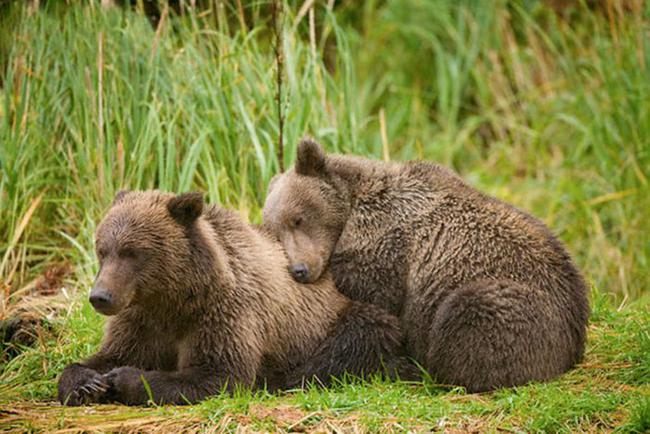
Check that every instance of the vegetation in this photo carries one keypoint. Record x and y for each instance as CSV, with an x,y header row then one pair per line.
x,y
547,109
610,390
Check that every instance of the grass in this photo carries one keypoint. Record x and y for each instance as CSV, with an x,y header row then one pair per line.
x,y
610,390
547,110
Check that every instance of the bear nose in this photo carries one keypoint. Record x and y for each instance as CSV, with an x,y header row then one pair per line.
x,y
299,272
100,299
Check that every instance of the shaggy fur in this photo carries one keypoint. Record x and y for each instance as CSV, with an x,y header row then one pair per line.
x,y
201,301
486,295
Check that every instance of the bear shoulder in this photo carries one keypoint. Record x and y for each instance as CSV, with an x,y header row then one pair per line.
x,y
428,170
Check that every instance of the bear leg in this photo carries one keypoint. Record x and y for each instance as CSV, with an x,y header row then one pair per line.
x,y
492,334
365,340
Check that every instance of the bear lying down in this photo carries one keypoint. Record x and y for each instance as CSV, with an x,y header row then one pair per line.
x,y
199,301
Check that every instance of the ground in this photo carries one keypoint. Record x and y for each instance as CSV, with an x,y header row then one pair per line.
x,y
609,391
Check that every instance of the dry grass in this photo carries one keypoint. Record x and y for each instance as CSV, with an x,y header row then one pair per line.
x,y
52,417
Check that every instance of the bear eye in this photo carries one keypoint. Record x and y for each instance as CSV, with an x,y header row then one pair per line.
x,y
127,252
102,253
296,222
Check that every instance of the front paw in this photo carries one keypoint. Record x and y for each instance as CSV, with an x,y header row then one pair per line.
x,y
80,386
126,385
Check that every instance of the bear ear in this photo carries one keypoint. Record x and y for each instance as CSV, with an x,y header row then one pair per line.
x,y
186,208
310,158
119,196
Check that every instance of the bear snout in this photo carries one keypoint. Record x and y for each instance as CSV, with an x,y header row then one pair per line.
x,y
300,272
102,300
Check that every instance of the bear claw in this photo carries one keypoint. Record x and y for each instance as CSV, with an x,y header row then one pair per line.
x,y
91,391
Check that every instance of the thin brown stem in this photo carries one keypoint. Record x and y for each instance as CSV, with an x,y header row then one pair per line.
x,y
277,21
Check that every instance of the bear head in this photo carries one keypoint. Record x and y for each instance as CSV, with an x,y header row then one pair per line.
x,y
143,245
306,209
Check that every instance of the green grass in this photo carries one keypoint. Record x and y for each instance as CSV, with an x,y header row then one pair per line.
x,y
550,112
609,390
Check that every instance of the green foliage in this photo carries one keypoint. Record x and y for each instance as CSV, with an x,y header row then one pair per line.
x,y
546,112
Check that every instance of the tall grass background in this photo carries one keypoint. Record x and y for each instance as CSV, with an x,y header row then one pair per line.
x,y
547,109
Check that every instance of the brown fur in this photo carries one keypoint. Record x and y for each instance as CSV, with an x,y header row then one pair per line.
x,y
201,301
487,296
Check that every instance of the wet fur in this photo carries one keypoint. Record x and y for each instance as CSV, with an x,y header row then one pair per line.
x,y
214,308
486,294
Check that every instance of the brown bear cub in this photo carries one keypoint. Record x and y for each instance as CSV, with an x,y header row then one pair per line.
x,y
486,295
201,301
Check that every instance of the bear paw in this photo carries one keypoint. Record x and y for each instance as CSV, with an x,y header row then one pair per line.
x,y
81,386
126,385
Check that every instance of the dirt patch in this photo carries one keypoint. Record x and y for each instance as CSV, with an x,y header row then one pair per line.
x,y
20,331
283,415
51,281
288,418
29,312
